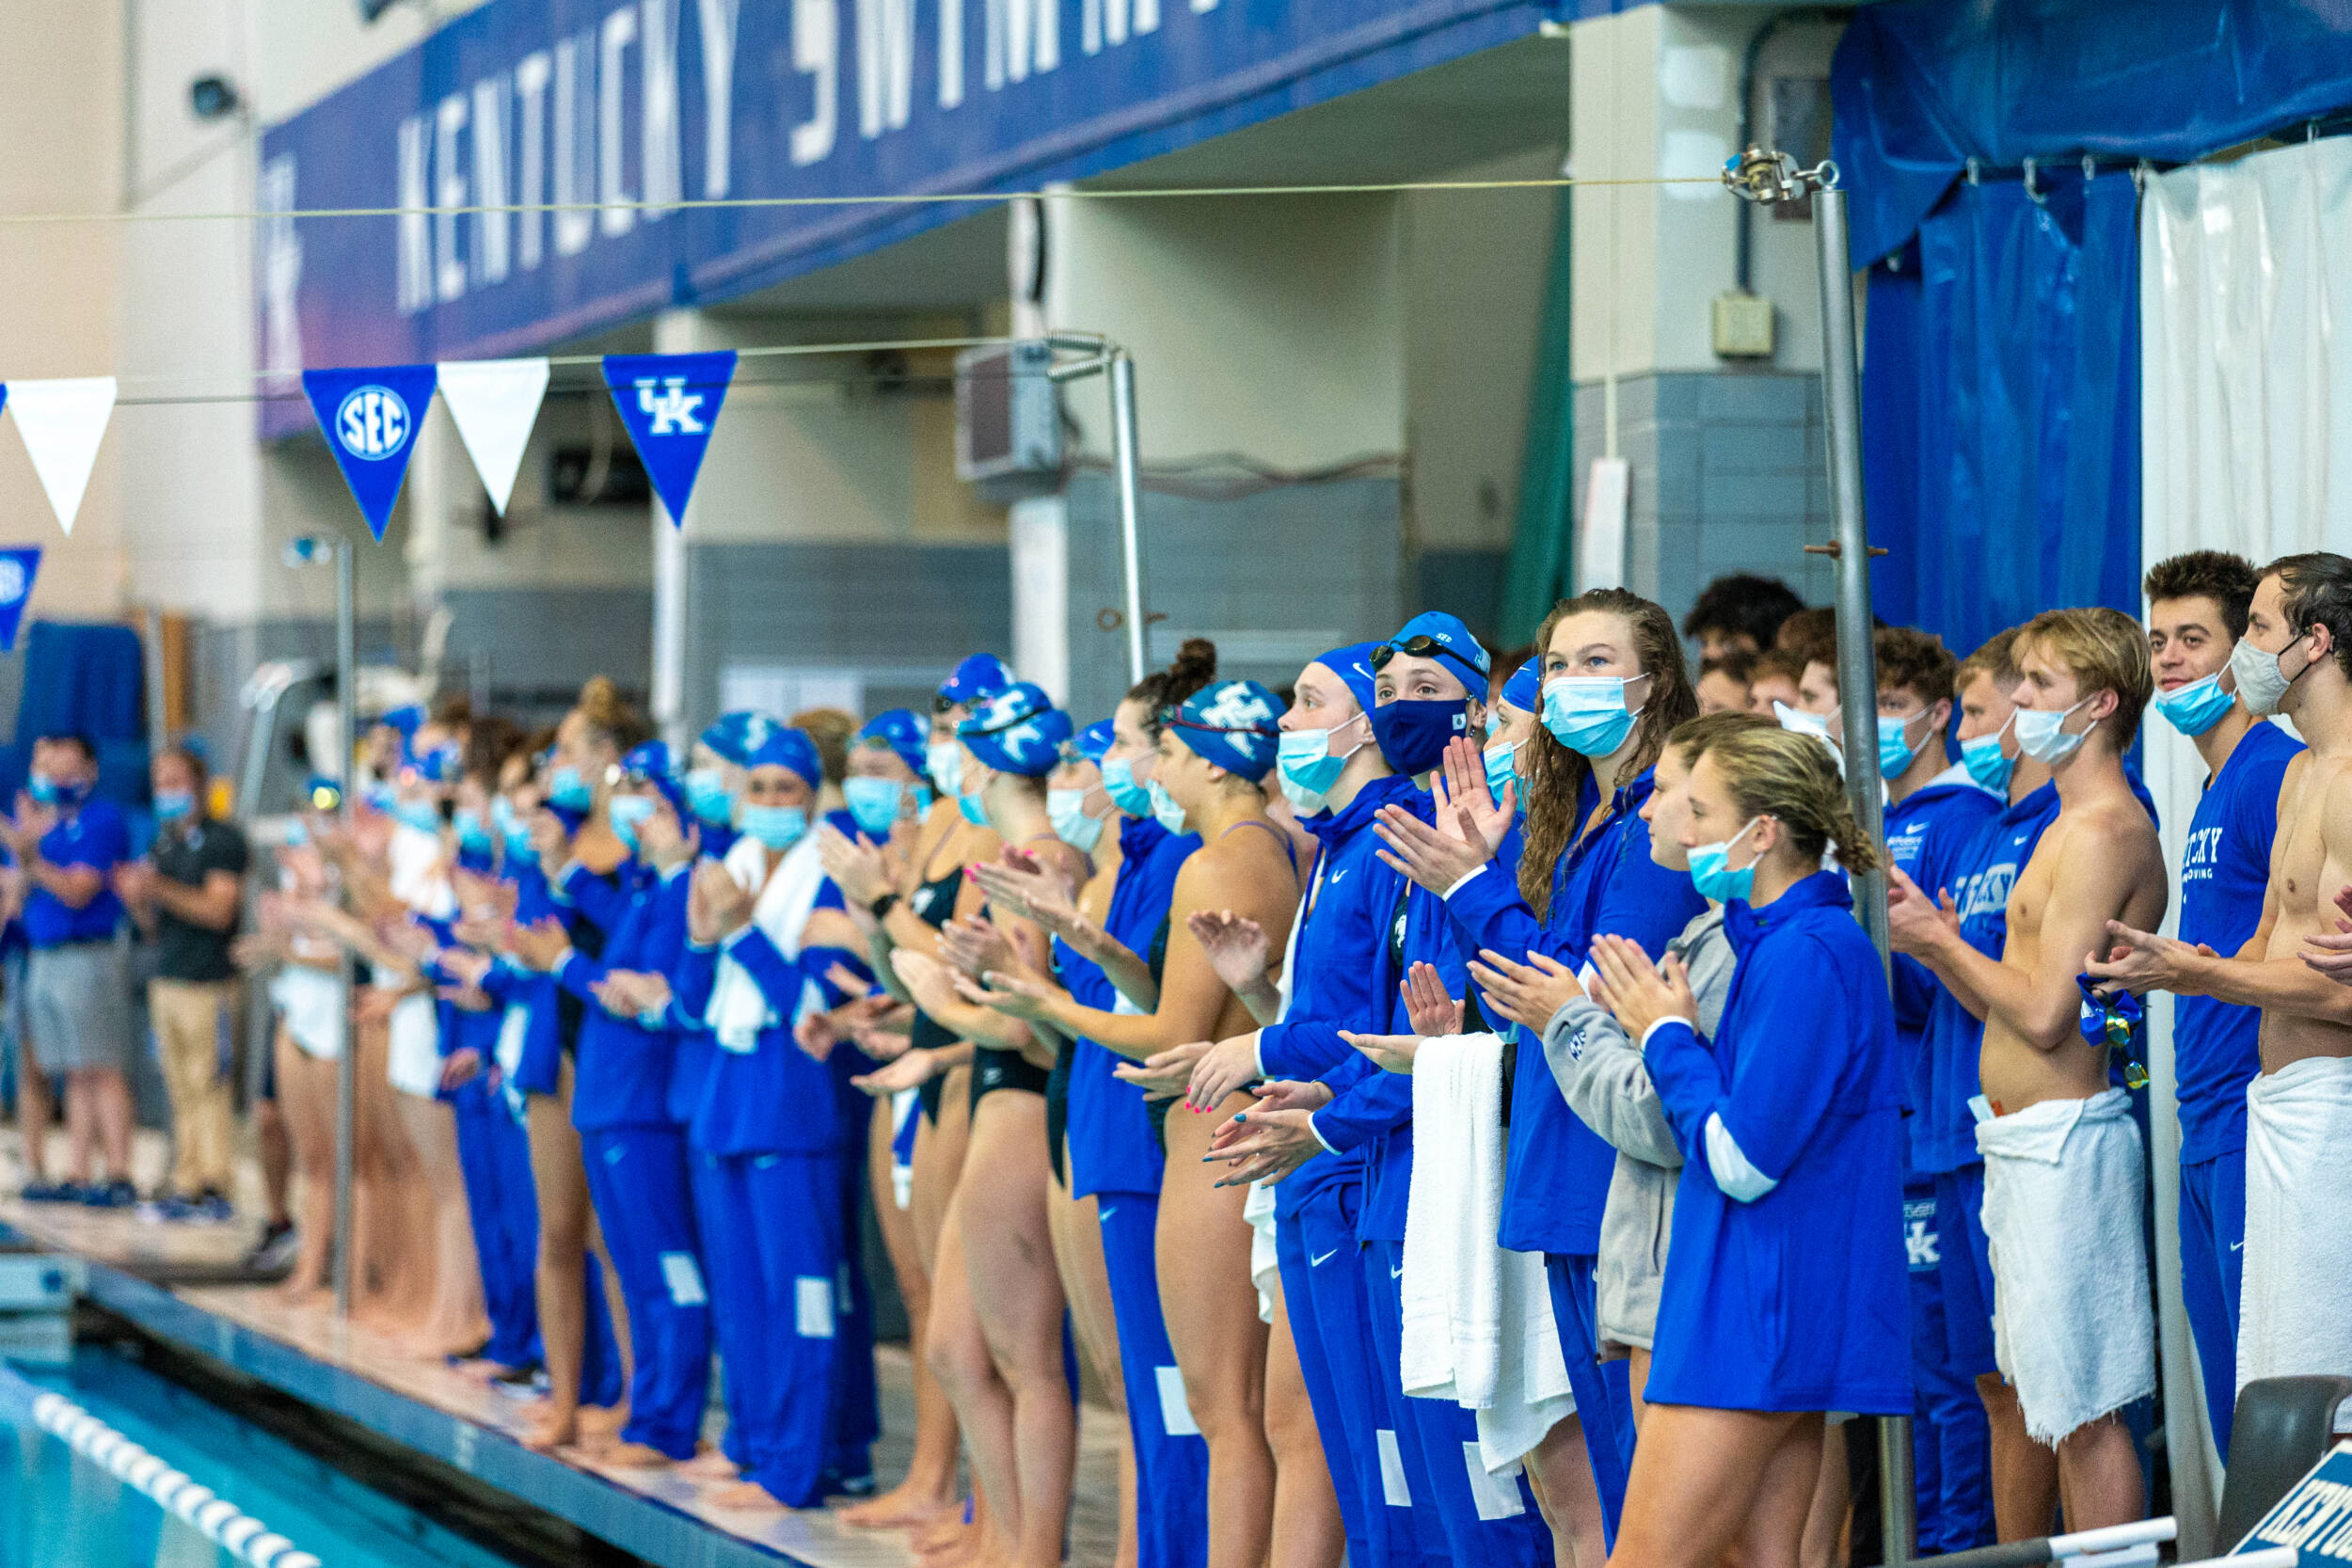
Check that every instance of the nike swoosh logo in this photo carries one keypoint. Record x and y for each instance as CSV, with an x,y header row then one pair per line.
x,y
1104,1217
2237,1246
1397,1273
1318,1262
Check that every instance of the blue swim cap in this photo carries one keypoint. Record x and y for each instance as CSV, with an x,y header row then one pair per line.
x,y
407,719
1233,724
981,676
653,764
1019,730
1353,665
1096,740
782,746
900,730
733,736
441,764
1433,634
1524,690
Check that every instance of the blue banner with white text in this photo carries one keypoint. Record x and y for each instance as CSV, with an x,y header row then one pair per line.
x,y
591,107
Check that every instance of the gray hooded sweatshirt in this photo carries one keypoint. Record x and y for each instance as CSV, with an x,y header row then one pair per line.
x,y
1599,1071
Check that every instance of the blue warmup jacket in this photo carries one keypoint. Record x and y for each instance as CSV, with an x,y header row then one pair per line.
x,y
624,1068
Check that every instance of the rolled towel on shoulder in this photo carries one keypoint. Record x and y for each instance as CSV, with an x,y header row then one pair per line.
x,y
2073,1329
2295,1311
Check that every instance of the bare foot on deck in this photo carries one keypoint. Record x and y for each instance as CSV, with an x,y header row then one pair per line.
x,y
964,1547
602,1421
634,1456
744,1495
303,1295
711,1465
905,1506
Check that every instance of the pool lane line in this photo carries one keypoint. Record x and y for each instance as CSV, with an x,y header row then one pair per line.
x,y
221,1520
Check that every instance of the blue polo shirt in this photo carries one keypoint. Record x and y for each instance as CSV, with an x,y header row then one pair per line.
x,y
95,834
2216,1046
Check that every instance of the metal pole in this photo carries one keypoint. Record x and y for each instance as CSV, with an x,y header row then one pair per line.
x,y
1124,457
1857,696
346,1065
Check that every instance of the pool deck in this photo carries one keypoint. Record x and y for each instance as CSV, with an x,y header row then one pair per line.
x,y
148,1275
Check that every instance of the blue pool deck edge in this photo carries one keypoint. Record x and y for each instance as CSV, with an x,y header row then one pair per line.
x,y
647,1527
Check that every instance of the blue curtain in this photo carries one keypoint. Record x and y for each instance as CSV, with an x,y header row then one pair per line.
x,y
2000,408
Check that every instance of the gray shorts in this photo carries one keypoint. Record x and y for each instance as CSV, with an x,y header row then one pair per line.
x,y
78,1007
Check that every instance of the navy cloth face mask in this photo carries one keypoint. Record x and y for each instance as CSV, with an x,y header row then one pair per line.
x,y
1413,736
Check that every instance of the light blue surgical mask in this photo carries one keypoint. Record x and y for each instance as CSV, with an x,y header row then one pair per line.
x,y
567,789
968,806
2044,736
502,817
708,796
473,832
1714,877
1119,782
1066,809
2194,708
42,788
1167,813
1896,751
624,811
944,760
376,794
174,806
1587,713
777,827
518,848
1985,763
875,803
1503,771
423,816
1306,765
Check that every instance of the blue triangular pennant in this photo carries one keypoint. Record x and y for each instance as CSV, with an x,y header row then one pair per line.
x,y
18,568
670,403
370,416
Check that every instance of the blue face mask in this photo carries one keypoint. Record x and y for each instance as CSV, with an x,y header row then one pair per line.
x,y
42,788
173,805
624,811
1119,782
1167,813
945,759
708,796
2194,708
518,848
423,816
473,832
1307,766
1413,735
777,827
1066,810
968,806
1985,764
875,803
1502,771
1714,879
567,789
379,794
1896,753
503,816
1587,713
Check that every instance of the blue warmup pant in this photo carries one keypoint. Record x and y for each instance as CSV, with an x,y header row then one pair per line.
x,y
1323,1295
725,1271
1950,1441
2212,1267
856,1397
1480,1519
775,1250
494,1158
1604,1389
1965,1261
1171,1459
637,1180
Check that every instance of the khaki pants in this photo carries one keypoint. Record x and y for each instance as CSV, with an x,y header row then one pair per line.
x,y
195,1030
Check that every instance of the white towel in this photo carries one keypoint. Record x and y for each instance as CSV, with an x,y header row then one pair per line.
x,y
1478,1325
739,1009
2296,1315
2072,1326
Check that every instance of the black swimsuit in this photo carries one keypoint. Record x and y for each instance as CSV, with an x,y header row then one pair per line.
x,y
932,904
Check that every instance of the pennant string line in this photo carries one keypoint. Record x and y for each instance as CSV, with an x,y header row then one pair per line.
x,y
906,198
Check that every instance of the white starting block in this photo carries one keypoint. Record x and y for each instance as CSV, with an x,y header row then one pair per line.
x,y
2312,1526
37,1294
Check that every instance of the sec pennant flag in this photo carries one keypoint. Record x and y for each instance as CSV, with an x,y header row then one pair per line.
x,y
370,416
17,570
670,402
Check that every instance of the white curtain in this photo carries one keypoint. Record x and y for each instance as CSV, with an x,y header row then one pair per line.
x,y
2246,395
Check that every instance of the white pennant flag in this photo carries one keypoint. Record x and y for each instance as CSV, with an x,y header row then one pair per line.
x,y
62,422
495,402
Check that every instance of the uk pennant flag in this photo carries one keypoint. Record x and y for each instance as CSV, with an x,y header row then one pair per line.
x,y
670,403
370,416
18,568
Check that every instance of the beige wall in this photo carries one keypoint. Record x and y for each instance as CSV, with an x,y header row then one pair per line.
x,y
60,122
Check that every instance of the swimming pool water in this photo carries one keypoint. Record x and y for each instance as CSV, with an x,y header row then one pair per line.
x,y
59,1510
